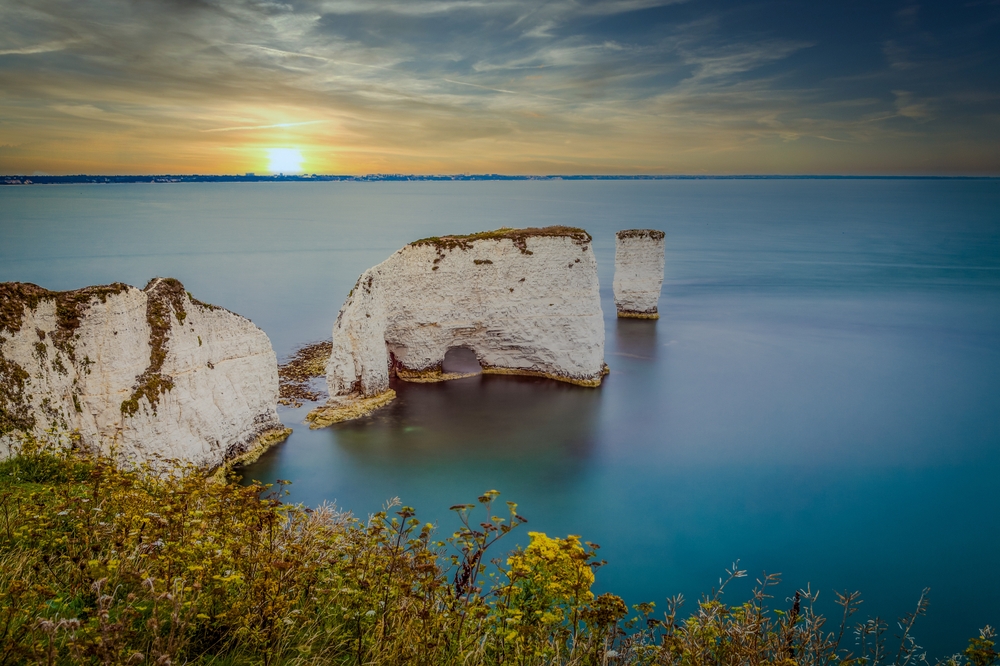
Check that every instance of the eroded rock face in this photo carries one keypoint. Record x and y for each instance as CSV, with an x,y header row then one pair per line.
x,y
638,272
526,301
143,374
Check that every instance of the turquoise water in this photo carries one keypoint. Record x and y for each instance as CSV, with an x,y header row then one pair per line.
x,y
821,397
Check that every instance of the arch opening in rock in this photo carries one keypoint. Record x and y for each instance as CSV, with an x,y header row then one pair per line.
x,y
461,361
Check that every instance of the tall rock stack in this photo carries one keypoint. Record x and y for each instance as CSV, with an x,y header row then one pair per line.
x,y
146,375
525,301
638,272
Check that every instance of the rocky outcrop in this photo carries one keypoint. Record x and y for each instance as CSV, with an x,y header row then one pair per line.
x,y
141,374
638,272
526,301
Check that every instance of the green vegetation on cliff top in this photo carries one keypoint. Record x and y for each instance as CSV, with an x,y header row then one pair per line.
x,y
518,236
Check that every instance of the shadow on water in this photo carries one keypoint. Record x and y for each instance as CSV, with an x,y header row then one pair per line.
x,y
636,338
516,419
441,444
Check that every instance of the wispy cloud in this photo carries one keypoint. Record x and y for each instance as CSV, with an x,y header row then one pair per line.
x,y
242,128
908,107
48,47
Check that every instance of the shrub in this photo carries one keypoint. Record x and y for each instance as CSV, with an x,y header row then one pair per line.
x,y
104,565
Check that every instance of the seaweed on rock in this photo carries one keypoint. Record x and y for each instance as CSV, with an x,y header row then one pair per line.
x,y
294,375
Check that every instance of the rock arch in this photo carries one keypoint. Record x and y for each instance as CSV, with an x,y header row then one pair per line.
x,y
527,301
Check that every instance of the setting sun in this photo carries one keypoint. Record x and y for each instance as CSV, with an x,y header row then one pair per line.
x,y
284,160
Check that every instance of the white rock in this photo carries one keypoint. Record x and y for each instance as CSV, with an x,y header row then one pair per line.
x,y
84,363
638,272
526,301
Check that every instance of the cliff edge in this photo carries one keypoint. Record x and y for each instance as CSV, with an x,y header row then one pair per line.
x,y
143,374
525,301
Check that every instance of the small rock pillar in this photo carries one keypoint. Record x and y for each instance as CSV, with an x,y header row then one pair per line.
x,y
638,272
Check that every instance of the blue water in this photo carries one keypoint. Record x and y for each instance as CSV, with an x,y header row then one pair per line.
x,y
820,398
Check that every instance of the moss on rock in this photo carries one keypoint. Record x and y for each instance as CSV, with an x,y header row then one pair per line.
x,y
655,234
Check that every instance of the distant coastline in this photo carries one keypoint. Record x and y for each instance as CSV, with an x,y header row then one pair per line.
x,y
395,177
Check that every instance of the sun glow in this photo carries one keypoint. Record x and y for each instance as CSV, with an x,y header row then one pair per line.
x,y
284,160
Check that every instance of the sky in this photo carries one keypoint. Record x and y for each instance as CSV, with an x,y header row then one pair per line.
x,y
500,86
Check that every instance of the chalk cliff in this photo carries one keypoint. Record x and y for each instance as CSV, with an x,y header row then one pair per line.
x,y
142,374
526,301
638,272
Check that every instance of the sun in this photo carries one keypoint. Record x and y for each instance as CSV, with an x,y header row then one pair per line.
x,y
284,160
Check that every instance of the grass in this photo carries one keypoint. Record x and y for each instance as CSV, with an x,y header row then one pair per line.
x,y
101,565
517,236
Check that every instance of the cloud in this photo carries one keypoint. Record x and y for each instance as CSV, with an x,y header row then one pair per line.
x,y
908,107
48,47
727,61
629,84
897,55
90,112
531,7
241,128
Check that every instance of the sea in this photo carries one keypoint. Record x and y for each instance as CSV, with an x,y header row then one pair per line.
x,y
820,398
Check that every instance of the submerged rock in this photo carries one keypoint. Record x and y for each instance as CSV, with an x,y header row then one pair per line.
x,y
638,272
525,301
141,374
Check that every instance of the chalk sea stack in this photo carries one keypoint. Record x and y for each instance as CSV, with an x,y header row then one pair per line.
x,y
638,272
145,375
525,301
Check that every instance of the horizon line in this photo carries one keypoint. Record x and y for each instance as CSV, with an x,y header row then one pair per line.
x,y
43,179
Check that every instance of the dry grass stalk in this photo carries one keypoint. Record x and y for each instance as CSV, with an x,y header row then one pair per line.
x,y
108,566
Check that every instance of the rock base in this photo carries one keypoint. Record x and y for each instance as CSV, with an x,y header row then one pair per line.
x,y
347,408
256,449
628,314
591,382
431,376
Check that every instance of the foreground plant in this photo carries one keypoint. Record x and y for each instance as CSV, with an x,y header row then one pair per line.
x,y
111,566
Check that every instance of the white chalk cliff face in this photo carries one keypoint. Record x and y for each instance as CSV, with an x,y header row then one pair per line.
x,y
526,301
138,373
638,272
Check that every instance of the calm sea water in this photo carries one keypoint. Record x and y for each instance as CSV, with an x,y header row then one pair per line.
x,y
820,398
